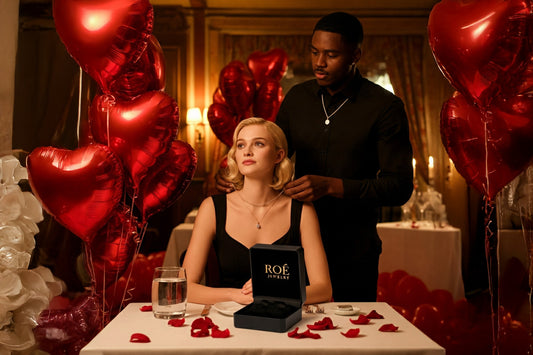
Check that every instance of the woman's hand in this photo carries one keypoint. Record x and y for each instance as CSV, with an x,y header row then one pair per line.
x,y
245,294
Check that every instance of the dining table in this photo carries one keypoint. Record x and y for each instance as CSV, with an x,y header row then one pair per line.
x,y
114,338
430,252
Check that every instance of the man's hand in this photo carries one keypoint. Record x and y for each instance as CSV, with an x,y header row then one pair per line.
x,y
313,187
222,185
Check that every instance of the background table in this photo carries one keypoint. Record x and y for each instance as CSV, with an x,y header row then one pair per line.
x,y
177,244
431,254
114,338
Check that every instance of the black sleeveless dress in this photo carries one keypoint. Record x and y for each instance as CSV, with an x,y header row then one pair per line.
x,y
233,257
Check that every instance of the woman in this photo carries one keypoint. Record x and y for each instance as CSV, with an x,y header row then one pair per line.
x,y
256,212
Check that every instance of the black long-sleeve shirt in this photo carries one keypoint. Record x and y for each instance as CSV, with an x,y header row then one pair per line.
x,y
366,145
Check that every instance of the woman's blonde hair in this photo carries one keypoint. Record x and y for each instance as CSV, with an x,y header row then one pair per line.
x,y
283,171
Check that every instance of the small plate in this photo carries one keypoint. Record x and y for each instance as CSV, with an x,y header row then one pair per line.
x,y
228,308
346,310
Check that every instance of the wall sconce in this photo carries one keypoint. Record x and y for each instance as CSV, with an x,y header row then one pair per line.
x,y
195,127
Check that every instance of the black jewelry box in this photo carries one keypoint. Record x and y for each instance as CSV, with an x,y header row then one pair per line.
x,y
278,281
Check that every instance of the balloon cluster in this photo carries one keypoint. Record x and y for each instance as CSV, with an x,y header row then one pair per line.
x,y
247,90
483,48
132,166
459,326
23,293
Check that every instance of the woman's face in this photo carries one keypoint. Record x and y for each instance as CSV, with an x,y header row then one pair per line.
x,y
256,153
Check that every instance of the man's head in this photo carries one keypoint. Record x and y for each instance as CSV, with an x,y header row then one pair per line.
x,y
348,26
335,49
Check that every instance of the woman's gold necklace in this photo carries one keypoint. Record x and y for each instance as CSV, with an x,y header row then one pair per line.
x,y
271,202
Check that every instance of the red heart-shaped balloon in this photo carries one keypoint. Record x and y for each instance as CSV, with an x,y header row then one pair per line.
x,y
268,99
217,97
113,248
167,179
67,330
146,74
79,188
488,148
480,46
222,121
103,35
140,130
238,88
268,65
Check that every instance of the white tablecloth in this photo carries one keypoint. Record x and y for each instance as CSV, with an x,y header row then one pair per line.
x,y
114,338
431,254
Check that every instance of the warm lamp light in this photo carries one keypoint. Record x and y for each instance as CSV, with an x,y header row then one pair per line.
x,y
194,116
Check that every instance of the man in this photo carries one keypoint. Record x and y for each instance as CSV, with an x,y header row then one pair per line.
x,y
353,155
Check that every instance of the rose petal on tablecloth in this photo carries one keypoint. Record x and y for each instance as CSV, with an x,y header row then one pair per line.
x,y
388,328
307,334
139,338
202,323
361,320
325,323
146,309
374,315
217,333
199,332
352,333
176,322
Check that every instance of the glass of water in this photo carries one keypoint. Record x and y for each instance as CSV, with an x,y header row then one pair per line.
x,y
169,292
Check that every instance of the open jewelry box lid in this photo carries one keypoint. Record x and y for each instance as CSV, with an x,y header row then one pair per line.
x,y
278,273
278,281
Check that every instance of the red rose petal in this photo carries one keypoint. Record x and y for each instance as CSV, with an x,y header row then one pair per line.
x,y
374,315
217,333
199,332
352,333
139,338
202,323
361,320
177,322
388,328
325,323
146,309
308,334
209,322
293,333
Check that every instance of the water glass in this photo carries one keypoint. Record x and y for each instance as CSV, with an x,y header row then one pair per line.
x,y
169,292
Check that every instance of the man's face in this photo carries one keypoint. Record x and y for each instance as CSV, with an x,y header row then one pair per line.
x,y
333,61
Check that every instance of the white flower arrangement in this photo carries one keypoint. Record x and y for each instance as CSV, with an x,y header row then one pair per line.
x,y
24,293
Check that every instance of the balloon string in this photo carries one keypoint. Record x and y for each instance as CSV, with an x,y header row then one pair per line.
x,y
491,255
107,128
80,85
487,180
526,218
127,295
92,274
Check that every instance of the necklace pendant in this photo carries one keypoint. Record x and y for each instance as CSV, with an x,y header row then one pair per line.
x,y
326,122
258,226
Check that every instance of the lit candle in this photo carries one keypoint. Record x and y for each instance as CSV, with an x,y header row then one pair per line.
x,y
431,167
414,167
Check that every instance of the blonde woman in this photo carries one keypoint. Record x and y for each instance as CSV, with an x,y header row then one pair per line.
x,y
257,211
